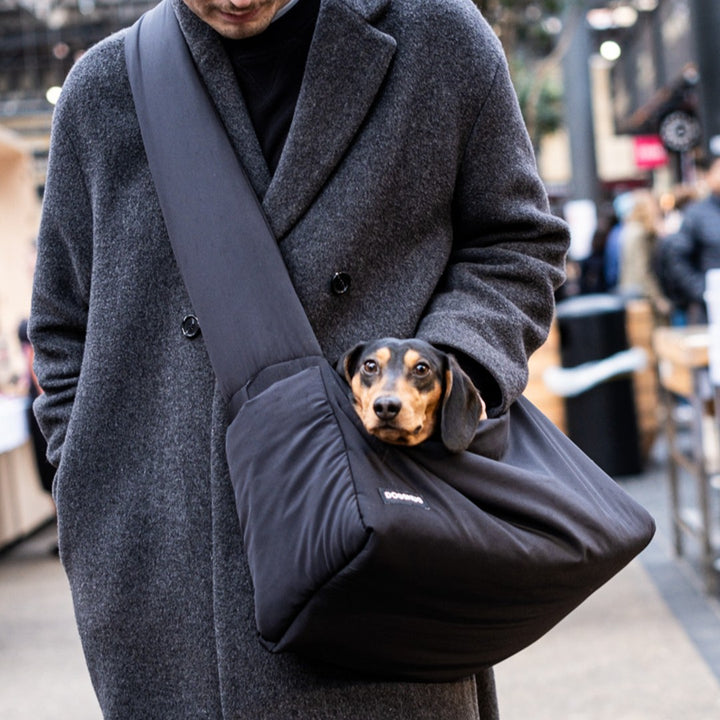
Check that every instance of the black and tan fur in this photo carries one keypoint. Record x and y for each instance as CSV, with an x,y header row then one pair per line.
x,y
406,391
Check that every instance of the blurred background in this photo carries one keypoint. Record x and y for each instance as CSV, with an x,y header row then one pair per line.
x,y
622,103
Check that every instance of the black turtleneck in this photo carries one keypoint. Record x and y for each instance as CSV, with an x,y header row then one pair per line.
x,y
269,68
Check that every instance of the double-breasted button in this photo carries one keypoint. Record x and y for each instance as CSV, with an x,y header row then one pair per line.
x,y
340,283
190,326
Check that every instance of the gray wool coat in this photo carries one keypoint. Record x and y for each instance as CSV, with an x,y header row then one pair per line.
x,y
407,168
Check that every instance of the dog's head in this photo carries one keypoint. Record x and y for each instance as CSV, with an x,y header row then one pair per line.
x,y
405,390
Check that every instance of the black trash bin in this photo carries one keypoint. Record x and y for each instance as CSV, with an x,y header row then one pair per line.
x,y
602,421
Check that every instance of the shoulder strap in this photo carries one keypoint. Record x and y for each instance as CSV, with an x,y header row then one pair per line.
x,y
249,312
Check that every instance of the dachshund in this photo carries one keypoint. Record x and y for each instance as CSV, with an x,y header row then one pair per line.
x,y
406,391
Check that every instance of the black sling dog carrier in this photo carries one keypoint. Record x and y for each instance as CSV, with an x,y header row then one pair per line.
x,y
402,563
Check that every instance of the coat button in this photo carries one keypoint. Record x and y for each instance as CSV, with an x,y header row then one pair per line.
x,y
190,326
340,283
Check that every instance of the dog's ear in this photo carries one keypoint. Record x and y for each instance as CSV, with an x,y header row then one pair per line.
x,y
347,364
462,408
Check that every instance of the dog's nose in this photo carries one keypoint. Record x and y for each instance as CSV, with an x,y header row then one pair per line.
x,y
387,407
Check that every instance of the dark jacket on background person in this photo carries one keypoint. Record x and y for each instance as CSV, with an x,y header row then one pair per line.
x,y
407,169
694,250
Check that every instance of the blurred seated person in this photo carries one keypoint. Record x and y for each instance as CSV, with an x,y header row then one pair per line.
x,y
46,471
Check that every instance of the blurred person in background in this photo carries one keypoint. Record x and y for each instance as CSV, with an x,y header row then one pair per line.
x,y
695,247
593,276
637,249
46,471
673,205
622,205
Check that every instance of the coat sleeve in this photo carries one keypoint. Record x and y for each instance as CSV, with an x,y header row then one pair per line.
x,y
61,287
496,301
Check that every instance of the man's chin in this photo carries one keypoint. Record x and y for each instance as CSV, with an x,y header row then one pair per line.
x,y
235,23
239,28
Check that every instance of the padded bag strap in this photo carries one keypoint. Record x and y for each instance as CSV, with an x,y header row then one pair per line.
x,y
221,239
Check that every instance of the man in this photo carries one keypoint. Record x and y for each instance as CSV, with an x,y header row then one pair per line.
x,y
695,249
405,200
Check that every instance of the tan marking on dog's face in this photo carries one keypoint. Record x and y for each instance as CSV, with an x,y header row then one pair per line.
x,y
410,358
383,355
408,379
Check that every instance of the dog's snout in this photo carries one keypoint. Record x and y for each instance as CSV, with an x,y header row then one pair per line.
x,y
387,407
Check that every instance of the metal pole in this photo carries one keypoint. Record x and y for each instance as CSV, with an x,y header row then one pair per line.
x,y
579,116
706,31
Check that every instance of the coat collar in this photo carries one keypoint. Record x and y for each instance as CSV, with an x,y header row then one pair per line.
x,y
346,66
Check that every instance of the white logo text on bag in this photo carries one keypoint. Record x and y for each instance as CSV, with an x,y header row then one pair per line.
x,y
396,497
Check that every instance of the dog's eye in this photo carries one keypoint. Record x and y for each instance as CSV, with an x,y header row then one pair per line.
x,y
421,369
370,367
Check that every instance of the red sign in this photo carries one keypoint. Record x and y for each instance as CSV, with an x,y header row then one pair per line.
x,y
649,152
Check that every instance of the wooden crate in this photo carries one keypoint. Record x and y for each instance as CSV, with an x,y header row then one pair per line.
x,y
537,392
640,324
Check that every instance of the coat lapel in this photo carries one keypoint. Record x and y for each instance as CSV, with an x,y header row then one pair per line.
x,y
347,64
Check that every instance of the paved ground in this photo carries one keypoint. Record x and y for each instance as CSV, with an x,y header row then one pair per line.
x,y
645,647
42,672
